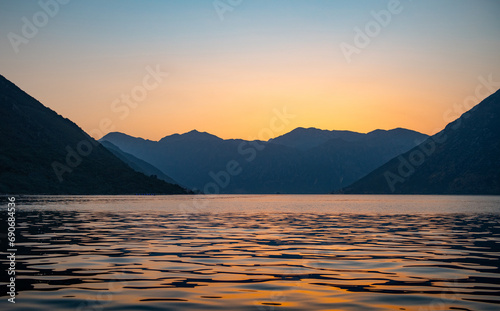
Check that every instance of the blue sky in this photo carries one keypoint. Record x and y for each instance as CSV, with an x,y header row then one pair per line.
x,y
225,76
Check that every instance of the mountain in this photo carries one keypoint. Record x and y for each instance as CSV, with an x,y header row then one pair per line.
x,y
137,164
192,136
307,138
44,153
302,161
461,159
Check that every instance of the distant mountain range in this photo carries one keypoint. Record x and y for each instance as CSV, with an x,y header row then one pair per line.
x,y
137,164
44,153
301,161
461,159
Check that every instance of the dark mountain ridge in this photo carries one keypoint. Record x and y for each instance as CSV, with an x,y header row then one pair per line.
x,y
302,161
461,159
45,153
137,164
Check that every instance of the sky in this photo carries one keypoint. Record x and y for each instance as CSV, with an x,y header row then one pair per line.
x,y
154,68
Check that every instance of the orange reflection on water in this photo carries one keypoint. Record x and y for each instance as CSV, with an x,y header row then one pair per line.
x,y
78,258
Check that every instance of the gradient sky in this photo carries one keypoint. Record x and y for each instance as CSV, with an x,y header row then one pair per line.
x,y
226,76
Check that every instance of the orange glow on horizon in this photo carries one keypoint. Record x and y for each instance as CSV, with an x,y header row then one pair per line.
x,y
226,78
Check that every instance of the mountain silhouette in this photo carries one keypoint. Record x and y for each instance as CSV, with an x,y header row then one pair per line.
x,y
307,138
461,159
191,136
137,164
302,161
44,153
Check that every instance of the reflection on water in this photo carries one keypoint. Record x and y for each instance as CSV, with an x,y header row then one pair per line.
x,y
154,259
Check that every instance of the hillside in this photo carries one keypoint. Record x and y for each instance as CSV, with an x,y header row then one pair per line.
x,y
461,159
302,161
137,164
44,153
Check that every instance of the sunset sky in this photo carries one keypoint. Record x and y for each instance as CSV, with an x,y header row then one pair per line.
x,y
227,70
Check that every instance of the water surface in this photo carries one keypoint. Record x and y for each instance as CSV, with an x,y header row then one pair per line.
x,y
302,252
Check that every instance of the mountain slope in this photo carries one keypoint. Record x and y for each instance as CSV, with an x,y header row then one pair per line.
x,y
137,164
44,153
307,138
461,159
287,164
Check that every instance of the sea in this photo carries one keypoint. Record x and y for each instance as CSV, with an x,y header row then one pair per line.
x,y
252,252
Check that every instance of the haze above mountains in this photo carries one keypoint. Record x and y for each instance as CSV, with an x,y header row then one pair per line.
x,y
44,153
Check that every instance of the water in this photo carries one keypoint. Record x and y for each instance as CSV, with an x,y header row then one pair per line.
x,y
256,253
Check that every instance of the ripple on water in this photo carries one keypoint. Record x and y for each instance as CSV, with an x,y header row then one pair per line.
x,y
229,261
